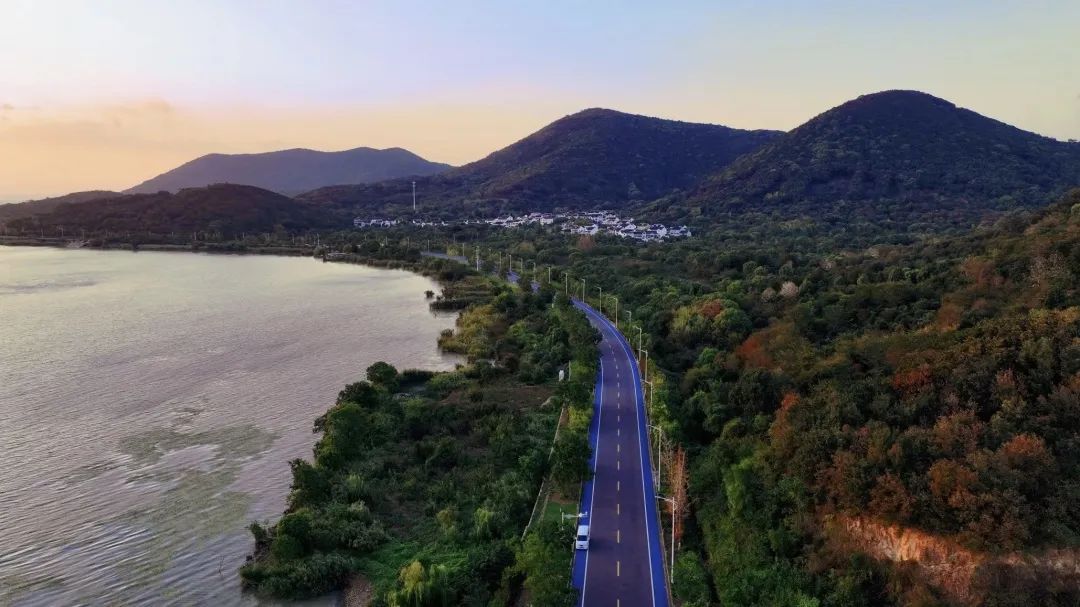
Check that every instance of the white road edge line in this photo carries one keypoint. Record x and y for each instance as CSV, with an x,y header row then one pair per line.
x,y
596,460
637,410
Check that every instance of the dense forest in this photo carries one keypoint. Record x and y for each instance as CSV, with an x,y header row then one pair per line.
x,y
830,395
422,483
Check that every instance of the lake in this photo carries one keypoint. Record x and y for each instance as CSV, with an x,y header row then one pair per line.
x,y
150,403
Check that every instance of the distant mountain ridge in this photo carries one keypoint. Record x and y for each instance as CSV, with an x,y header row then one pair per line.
x,y
901,146
894,159
223,208
594,158
46,205
292,171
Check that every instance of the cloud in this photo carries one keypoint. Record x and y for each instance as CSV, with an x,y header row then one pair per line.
x,y
6,107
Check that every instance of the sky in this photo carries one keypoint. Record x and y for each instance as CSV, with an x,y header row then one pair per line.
x,y
103,94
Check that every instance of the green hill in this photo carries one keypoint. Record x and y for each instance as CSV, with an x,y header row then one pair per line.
x,y
897,154
591,159
224,208
45,205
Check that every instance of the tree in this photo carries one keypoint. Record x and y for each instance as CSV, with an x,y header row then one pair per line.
x,y
544,558
570,459
384,375
421,586
679,487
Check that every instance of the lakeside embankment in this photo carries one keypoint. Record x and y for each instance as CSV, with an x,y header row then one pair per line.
x,y
434,500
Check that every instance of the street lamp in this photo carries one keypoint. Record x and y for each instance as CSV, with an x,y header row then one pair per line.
x,y
674,508
638,340
583,291
651,396
616,311
659,450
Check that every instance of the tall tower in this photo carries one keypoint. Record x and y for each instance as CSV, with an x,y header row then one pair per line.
x,y
414,197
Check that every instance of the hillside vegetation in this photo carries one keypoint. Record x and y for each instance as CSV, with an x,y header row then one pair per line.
x,y
895,155
932,387
224,210
422,483
30,208
596,158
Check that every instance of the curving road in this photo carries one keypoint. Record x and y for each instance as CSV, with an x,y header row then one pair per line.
x,y
624,564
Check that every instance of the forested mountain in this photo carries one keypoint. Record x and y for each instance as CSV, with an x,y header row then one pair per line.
x,y
894,155
225,209
45,205
596,158
292,171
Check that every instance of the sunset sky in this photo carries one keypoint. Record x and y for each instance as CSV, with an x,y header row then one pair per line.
x,y
106,93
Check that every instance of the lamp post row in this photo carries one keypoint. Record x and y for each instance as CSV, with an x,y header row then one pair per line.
x,y
646,383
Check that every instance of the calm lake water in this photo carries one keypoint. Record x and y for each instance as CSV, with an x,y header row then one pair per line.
x,y
150,403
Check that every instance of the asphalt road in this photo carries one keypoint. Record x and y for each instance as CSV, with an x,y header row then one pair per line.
x,y
624,564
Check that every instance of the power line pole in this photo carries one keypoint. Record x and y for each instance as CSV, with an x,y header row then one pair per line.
x,y
414,197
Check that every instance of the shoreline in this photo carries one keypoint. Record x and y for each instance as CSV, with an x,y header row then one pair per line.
x,y
415,267
424,331
59,243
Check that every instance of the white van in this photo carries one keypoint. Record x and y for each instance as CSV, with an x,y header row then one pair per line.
x,y
582,541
